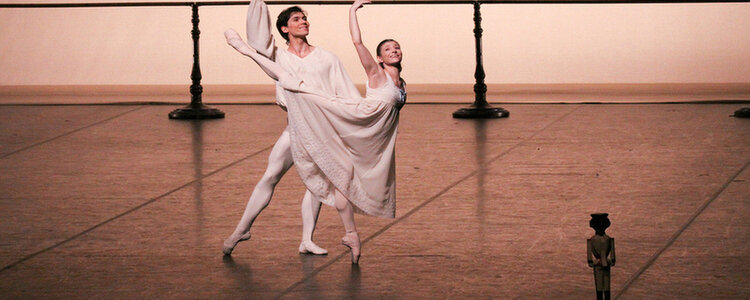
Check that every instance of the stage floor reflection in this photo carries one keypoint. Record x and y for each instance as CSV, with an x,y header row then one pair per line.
x,y
118,201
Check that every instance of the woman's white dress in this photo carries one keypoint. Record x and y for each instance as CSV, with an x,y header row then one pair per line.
x,y
346,144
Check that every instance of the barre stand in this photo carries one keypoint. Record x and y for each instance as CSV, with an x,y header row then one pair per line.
x,y
480,109
196,109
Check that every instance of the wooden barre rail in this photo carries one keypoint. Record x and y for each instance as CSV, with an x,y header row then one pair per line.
x,y
480,109
339,2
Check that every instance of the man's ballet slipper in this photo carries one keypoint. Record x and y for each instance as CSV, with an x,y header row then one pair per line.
x,y
232,242
308,247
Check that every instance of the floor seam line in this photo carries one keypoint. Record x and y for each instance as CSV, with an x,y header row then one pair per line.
x,y
679,232
71,132
419,206
133,209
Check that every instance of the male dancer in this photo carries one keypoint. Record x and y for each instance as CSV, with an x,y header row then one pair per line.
x,y
317,68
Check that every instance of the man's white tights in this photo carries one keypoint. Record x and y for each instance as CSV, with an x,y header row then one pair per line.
x,y
279,162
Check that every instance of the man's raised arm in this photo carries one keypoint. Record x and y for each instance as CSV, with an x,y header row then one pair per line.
x,y
259,32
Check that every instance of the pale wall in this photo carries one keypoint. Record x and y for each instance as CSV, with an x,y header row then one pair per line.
x,y
522,43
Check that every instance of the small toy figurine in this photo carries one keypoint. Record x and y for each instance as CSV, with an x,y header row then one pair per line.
x,y
601,254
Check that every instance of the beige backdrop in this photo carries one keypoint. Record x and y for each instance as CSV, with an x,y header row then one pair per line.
x,y
683,43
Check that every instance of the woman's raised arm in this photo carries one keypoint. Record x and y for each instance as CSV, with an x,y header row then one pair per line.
x,y
374,73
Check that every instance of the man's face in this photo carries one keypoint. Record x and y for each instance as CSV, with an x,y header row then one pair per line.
x,y
297,25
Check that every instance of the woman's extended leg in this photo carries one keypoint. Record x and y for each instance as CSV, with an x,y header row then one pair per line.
x,y
279,161
271,68
351,238
310,210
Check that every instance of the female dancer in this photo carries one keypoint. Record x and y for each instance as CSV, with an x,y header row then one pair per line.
x,y
343,147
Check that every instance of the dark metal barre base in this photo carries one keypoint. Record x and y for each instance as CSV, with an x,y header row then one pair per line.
x,y
742,113
191,113
481,113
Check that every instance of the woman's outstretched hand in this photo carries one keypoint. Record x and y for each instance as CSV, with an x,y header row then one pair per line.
x,y
234,40
359,4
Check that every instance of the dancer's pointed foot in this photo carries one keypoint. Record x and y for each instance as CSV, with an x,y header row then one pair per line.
x,y
351,240
231,36
232,242
234,40
308,247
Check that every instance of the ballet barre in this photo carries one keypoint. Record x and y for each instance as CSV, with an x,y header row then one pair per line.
x,y
480,109
342,2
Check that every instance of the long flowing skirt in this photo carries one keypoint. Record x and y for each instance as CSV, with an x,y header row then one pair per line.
x,y
348,145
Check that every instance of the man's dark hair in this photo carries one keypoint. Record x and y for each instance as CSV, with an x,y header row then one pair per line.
x,y
283,19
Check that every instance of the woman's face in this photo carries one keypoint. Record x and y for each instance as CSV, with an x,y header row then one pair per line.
x,y
297,25
390,53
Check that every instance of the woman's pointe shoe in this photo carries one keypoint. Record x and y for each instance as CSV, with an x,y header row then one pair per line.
x,y
308,247
351,240
232,242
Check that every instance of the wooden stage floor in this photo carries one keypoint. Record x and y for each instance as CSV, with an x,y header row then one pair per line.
x,y
118,201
